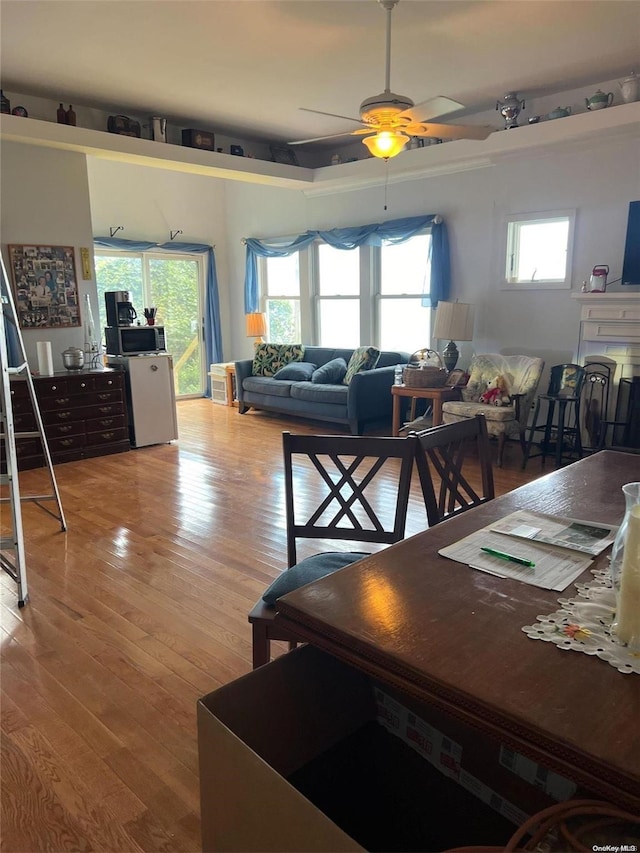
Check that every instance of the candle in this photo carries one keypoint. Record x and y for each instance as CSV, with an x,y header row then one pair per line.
x,y
45,358
628,610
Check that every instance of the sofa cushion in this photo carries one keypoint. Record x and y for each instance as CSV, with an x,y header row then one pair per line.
x,y
267,385
306,571
331,373
363,358
269,358
315,393
297,371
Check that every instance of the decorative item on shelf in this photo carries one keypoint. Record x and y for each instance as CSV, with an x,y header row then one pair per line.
x,y
256,326
73,358
599,100
625,572
630,88
150,316
159,129
236,150
425,370
510,107
203,139
286,156
598,280
123,126
20,111
91,343
61,115
454,320
336,159
71,116
533,119
559,112
5,103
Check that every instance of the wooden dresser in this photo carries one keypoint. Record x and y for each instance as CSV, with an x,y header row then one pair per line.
x,y
84,414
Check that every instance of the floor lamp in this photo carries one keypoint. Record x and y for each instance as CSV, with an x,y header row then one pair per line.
x,y
454,321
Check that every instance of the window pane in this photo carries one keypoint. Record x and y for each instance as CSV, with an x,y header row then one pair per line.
x,y
118,272
339,271
538,250
405,267
283,276
283,321
174,291
405,324
339,322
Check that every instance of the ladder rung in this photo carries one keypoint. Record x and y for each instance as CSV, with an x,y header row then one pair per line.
x,y
7,543
26,498
31,434
14,371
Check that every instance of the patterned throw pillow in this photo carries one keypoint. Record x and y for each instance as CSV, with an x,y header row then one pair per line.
x,y
363,358
269,358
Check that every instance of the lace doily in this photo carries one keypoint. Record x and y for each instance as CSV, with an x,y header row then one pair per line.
x,y
583,624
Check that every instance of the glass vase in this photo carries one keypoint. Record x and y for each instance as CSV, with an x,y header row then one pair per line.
x,y
625,571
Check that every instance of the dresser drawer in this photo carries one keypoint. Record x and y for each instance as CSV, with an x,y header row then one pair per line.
x,y
107,436
23,421
51,387
110,395
105,422
61,430
69,442
104,410
57,416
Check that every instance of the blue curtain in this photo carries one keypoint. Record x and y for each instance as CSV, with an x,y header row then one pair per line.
x,y
212,330
394,231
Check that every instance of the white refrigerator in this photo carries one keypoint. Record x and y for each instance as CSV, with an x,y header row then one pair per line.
x,y
151,398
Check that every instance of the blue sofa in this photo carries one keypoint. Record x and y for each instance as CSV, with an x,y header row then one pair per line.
x,y
366,399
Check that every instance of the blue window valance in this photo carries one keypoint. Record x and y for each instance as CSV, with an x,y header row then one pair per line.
x,y
212,330
394,231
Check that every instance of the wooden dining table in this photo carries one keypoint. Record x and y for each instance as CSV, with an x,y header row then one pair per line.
x,y
451,636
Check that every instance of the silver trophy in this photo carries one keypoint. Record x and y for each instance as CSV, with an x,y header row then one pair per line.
x,y
510,107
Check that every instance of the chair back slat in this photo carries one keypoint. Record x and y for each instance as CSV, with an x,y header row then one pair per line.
x,y
447,448
368,481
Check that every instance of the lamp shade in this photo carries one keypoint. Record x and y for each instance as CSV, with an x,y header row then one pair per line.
x,y
454,321
256,325
386,143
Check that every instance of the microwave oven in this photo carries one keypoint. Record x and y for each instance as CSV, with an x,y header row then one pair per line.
x,y
134,340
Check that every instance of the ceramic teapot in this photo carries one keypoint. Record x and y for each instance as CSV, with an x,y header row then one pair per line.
x,y
559,112
629,88
599,100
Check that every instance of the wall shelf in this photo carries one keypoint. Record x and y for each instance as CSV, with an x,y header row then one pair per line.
x,y
584,129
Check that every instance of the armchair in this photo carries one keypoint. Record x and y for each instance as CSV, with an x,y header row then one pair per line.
x,y
522,374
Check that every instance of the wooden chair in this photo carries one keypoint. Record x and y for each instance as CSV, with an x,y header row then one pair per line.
x,y
352,488
445,449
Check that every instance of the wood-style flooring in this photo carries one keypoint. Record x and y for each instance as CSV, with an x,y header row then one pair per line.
x,y
135,612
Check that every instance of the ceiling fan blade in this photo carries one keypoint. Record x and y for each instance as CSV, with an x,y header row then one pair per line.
x,y
321,138
449,131
433,108
334,115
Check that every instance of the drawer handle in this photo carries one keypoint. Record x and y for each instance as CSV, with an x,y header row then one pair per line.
x,y
54,387
105,409
83,384
107,434
66,441
154,367
110,382
61,400
105,422
105,396
66,428
63,415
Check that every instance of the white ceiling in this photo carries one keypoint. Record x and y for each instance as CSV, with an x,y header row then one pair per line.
x,y
246,66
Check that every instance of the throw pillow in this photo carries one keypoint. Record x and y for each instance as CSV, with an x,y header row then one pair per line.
x,y
269,358
311,569
331,373
297,371
363,358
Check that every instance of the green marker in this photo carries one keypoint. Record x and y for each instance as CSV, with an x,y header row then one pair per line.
x,y
519,560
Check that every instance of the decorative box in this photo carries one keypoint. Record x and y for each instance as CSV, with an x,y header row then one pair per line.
x,y
124,126
198,139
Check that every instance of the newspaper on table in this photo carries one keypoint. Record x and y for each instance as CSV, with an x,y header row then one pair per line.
x,y
588,537
560,549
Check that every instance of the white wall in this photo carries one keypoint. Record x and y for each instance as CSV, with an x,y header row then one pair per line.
x,y
598,180
45,201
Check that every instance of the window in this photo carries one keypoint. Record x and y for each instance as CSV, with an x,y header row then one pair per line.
x,y
338,303
405,274
280,283
538,251
174,285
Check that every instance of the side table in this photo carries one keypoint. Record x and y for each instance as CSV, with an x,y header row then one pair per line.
x,y
230,378
438,396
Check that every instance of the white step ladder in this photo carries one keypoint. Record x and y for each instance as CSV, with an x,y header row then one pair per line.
x,y
12,556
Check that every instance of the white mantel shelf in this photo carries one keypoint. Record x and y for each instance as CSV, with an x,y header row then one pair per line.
x,y
607,298
584,129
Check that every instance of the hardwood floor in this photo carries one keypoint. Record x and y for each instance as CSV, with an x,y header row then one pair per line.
x,y
135,612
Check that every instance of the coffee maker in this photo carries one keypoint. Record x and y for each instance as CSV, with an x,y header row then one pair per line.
x,y
120,311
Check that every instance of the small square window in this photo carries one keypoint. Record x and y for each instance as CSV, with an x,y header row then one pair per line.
x,y
539,249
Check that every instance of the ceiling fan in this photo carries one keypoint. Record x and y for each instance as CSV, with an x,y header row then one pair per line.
x,y
390,120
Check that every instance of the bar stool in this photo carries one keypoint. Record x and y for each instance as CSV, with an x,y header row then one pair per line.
x,y
565,388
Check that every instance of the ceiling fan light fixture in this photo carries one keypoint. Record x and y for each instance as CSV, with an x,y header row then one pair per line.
x,y
386,143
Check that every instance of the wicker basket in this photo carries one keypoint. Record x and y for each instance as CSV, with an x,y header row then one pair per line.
x,y
425,370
